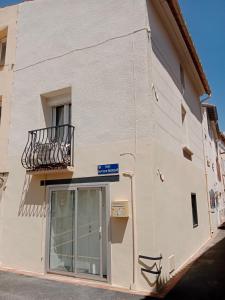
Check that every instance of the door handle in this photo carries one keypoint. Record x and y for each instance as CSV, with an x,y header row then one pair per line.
x,y
100,232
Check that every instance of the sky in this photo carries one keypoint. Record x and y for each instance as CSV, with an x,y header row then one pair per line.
x,y
9,2
206,22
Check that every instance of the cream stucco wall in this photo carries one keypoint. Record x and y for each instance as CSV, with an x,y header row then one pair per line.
x,y
99,50
8,19
103,51
172,216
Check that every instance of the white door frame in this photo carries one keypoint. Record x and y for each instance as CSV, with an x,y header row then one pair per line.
x,y
74,187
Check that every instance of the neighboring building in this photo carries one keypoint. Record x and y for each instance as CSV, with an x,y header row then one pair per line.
x,y
214,146
108,82
8,19
221,160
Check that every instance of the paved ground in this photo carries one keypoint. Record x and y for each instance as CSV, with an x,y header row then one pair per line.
x,y
204,281
20,287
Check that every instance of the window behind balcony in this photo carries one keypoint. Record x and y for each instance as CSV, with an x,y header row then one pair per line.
x,y
61,115
57,114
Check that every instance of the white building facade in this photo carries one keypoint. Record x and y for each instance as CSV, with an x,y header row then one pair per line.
x,y
106,116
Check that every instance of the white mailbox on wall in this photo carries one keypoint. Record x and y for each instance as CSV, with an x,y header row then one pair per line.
x,y
120,209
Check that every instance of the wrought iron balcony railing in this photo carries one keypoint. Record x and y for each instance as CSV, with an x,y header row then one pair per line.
x,y
49,148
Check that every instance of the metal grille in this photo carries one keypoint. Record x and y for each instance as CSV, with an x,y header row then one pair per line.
x,y
49,148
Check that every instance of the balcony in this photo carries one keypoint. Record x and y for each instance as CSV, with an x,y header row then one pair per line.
x,y
49,150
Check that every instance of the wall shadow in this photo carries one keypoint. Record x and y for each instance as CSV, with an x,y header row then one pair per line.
x,y
162,57
154,280
33,198
118,228
205,279
188,98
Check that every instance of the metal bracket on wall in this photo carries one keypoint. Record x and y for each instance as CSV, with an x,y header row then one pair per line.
x,y
158,272
152,272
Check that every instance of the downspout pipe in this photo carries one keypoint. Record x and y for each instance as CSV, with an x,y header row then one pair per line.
x,y
131,175
206,173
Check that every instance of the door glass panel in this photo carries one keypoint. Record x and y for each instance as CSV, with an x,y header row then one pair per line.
x,y
59,121
61,256
104,235
88,236
78,232
59,115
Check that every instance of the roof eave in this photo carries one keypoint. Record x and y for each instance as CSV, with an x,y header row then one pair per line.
x,y
177,14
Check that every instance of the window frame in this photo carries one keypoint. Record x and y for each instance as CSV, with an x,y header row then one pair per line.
x,y
194,207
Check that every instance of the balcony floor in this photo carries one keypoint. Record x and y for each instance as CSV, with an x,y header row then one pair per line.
x,y
51,171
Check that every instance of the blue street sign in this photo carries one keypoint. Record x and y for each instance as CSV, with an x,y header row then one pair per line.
x,y
108,169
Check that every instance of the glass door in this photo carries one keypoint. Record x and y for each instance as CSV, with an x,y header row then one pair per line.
x,y
78,232
61,250
88,258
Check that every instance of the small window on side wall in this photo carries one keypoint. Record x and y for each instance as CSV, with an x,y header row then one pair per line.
x,y
218,169
194,210
2,51
182,79
183,114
